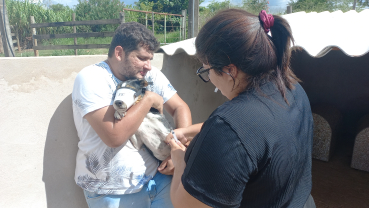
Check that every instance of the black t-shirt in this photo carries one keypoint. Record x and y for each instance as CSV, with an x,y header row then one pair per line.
x,y
253,151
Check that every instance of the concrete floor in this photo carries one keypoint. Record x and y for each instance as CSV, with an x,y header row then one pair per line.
x,y
335,183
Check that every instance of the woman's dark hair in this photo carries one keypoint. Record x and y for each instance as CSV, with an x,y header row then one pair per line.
x,y
131,36
235,36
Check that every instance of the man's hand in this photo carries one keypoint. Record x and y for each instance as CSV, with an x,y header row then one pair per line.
x,y
157,100
166,167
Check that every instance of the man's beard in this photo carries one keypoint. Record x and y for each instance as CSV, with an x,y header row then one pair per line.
x,y
129,70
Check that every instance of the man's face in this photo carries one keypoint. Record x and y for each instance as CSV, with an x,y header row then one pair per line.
x,y
136,64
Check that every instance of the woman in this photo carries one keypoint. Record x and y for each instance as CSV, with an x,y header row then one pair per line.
x,y
254,150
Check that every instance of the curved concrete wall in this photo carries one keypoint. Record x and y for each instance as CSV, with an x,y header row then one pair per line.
x,y
180,69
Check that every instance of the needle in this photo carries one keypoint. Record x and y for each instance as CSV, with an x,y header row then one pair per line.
x,y
174,136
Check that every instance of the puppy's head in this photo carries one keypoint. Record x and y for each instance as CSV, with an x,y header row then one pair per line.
x,y
119,105
137,86
134,84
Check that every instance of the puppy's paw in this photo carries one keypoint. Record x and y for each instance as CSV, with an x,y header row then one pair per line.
x,y
118,115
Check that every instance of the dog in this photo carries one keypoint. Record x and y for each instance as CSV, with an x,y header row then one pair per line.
x,y
153,129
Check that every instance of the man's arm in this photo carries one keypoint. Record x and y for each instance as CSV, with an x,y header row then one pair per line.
x,y
179,110
181,114
115,132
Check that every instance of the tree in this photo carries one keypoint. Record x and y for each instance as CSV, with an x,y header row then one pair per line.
x,y
216,6
58,7
165,6
326,5
255,6
97,10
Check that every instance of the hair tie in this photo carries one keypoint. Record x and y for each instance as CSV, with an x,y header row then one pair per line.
x,y
267,20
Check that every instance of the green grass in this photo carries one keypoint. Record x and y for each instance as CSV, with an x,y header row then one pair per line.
x,y
171,38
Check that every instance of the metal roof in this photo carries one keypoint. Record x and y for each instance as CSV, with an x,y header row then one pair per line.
x,y
316,33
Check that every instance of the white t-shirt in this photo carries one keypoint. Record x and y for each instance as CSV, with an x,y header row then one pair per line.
x,y
102,169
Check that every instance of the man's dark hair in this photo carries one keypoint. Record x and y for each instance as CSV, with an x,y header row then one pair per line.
x,y
235,36
131,36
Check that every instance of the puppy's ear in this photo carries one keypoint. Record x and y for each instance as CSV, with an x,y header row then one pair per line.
x,y
144,83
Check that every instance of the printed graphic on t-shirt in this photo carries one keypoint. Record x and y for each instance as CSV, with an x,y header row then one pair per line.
x,y
115,174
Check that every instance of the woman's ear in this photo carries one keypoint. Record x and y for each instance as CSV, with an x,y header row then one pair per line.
x,y
232,70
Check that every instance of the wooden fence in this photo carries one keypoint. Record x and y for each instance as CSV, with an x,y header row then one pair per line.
x,y
75,35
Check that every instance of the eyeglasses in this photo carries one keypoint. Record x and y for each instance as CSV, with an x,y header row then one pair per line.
x,y
204,73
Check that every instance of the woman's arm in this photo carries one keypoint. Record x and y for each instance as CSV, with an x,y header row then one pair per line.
x,y
179,196
185,135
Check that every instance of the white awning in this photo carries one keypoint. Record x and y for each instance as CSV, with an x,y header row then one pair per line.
x,y
316,33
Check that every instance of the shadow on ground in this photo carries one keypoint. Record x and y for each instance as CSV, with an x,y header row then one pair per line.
x,y
60,159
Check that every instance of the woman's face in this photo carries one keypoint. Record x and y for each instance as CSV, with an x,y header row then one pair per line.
x,y
220,81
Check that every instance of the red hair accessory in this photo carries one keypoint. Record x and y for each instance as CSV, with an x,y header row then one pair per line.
x,y
267,20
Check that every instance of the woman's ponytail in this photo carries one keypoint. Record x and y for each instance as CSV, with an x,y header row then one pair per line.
x,y
282,39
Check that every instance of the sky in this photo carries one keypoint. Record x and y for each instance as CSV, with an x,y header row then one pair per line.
x,y
274,5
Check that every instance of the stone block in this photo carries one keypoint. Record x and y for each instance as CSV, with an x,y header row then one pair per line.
x,y
327,120
360,156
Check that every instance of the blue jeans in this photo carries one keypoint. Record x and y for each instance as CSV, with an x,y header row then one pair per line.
x,y
155,194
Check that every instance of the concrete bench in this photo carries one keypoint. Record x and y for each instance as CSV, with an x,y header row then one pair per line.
x,y
327,120
360,156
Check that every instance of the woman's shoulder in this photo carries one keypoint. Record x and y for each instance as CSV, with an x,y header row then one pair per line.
x,y
239,106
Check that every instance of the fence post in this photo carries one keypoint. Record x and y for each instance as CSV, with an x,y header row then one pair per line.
x,y
165,29
184,12
354,5
34,33
5,32
1,44
17,37
289,9
193,18
122,17
180,28
74,31
146,19
152,23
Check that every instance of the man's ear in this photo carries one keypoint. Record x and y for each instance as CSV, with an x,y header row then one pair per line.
x,y
119,53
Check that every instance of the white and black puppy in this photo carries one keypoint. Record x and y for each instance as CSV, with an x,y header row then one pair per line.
x,y
153,129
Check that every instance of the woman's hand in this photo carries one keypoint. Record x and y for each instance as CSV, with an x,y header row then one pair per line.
x,y
179,134
177,151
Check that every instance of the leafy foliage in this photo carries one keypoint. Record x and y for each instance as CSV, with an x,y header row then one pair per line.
x,y
19,13
255,6
216,6
326,5
97,10
165,6
58,7
212,8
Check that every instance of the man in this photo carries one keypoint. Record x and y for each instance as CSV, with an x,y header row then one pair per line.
x,y
110,170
